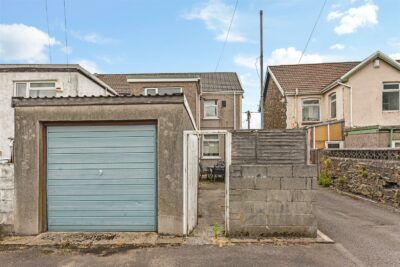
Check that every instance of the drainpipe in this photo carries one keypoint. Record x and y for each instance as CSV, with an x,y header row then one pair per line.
x,y
295,107
351,102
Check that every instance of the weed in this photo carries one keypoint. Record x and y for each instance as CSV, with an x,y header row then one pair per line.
x,y
341,180
396,196
215,230
324,180
363,172
327,163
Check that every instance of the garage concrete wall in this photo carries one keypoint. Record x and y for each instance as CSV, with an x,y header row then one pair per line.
x,y
271,200
171,118
6,197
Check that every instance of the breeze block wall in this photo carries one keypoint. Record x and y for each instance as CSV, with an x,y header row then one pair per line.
x,y
6,197
272,200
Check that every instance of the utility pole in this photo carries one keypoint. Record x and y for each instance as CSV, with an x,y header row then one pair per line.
x,y
248,113
261,104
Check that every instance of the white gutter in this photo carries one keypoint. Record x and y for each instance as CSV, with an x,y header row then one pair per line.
x,y
351,102
149,80
224,92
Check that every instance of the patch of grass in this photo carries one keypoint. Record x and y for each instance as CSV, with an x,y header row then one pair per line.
x,y
324,180
215,230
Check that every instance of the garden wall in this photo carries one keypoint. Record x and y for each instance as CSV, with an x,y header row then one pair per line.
x,y
371,176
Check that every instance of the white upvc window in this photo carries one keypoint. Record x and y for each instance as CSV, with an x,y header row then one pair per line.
x,y
334,144
310,110
35,89
210,146
210,109
396,144
391,97
163,91
332,101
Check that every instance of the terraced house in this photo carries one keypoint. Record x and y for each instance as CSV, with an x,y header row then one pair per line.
x,y
215,100
343,104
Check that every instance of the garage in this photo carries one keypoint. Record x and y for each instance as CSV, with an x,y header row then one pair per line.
x,y
101,164
101,178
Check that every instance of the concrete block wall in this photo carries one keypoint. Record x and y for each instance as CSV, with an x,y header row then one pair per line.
x,y
6,197
272,200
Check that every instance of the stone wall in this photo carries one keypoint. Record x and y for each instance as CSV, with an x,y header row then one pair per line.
x,y
274,106
270,200
6,197
375,179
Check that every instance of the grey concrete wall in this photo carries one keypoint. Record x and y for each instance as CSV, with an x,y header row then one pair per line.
x,y
7,197
73,84
270,200
269,147
172,120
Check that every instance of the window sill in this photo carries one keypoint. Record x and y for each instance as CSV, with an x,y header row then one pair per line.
x,y
310,122
211,118
210,157
390,111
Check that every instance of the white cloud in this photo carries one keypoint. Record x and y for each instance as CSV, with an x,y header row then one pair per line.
x,y
88,65
248,61
66,50
334,15
355,18
395,56
216,15
291,55
337,47
24,43
93,38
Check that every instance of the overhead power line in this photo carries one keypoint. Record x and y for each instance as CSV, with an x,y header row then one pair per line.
x,y
312,31
48,30
66,32
227,35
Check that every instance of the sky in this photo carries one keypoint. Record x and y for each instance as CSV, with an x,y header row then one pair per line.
x,y
140,36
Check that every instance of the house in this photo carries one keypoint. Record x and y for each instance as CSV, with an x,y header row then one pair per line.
x,y
343,104
41,80
215,100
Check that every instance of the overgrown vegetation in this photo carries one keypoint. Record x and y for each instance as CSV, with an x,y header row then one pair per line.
x,y
327,163
341,180
324,180
396,196
215,230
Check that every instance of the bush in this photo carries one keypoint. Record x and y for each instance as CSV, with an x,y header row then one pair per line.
x,y
324,180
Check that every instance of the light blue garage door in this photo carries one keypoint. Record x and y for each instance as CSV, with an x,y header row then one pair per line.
x,y
101,178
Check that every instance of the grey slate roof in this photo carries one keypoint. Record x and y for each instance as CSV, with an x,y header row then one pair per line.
x,y
209,81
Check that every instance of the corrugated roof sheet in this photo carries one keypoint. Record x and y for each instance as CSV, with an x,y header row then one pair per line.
x,y
209,81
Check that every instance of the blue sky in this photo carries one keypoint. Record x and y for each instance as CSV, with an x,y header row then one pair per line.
x,y
122,36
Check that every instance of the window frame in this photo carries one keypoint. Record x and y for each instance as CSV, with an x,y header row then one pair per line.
x,y
319,109
391,91
29,88
330,105
158,88
340,143
210,140
394,142
215,105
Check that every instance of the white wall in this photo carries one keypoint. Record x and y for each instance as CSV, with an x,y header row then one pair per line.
x,y
73,84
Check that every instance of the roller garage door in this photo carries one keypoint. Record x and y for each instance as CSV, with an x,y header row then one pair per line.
x,y
101,178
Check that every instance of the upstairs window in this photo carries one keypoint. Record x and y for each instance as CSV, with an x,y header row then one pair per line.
x,y
391,97
332,100
210,109
35,89
310,110
163,91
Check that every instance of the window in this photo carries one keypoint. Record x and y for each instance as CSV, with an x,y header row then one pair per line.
x,y
35,89
391,97
334,144
210,109
163,91
332,99
396,144
211,145
310,110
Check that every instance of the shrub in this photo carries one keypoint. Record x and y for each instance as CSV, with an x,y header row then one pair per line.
x,y
341,180
324,180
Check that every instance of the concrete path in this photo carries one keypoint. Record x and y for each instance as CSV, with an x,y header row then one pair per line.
x,y
364,232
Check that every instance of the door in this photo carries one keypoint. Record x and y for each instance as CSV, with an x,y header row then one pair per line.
x,y
101,178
